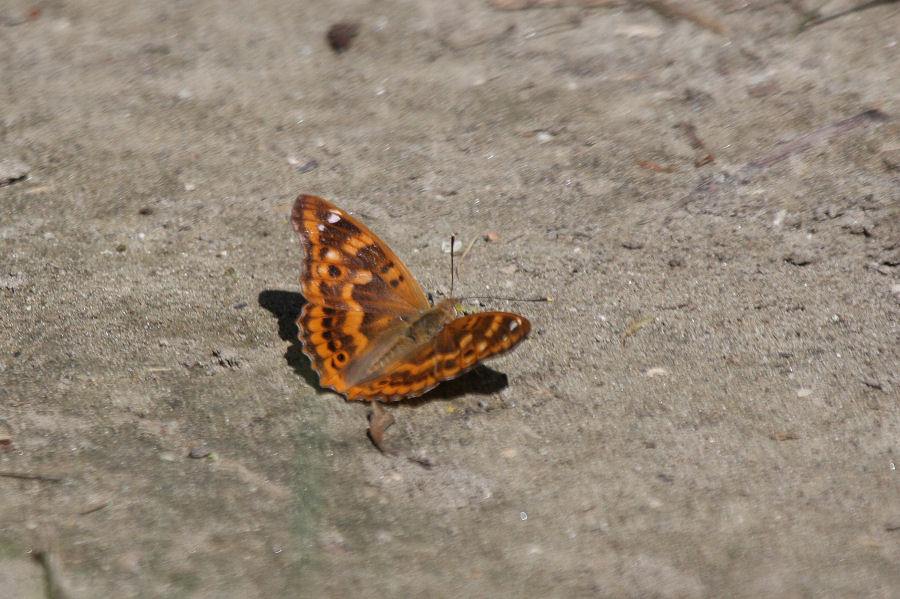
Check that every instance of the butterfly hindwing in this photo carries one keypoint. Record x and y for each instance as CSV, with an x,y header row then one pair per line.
x,y
331,337
469,339
459,346
404,378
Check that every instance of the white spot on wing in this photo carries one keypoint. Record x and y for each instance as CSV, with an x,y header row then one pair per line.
x,y
320,227
513,325
333,217
363,277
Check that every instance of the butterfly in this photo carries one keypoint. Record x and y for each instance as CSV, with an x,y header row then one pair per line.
x,y
367,326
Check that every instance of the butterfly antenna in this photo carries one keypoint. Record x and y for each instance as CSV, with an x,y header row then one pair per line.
x,y
546,298
452,269
482,297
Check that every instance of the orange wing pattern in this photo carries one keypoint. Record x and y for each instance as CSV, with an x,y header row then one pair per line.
x,y
362,326
348,267
461,344
355,287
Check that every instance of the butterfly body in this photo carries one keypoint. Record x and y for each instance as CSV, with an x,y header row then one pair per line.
x,y
367,326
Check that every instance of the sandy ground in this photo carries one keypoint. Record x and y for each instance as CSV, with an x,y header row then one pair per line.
x,y
709,407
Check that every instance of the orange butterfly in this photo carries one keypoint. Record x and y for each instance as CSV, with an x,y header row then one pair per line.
x,y
367,326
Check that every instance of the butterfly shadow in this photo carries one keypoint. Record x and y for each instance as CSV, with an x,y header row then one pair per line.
x,y
481,380
286,306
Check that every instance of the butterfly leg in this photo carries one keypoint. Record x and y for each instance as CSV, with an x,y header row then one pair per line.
x,y
379,421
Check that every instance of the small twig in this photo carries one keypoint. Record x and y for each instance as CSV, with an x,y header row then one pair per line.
x,y
812,17
524,4
676,11
469,247
636,326
93,508
655,167
690,131
816,138
49,478
675,306
801,144
423,462
379,421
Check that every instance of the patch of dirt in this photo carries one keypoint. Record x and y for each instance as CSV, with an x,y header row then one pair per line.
x,y
710,193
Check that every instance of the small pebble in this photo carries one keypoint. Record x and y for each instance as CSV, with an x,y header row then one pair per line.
x,y
799,258
12,171
198,453
341,35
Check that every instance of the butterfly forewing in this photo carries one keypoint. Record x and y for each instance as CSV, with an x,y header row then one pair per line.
x,y
348,267
355,287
